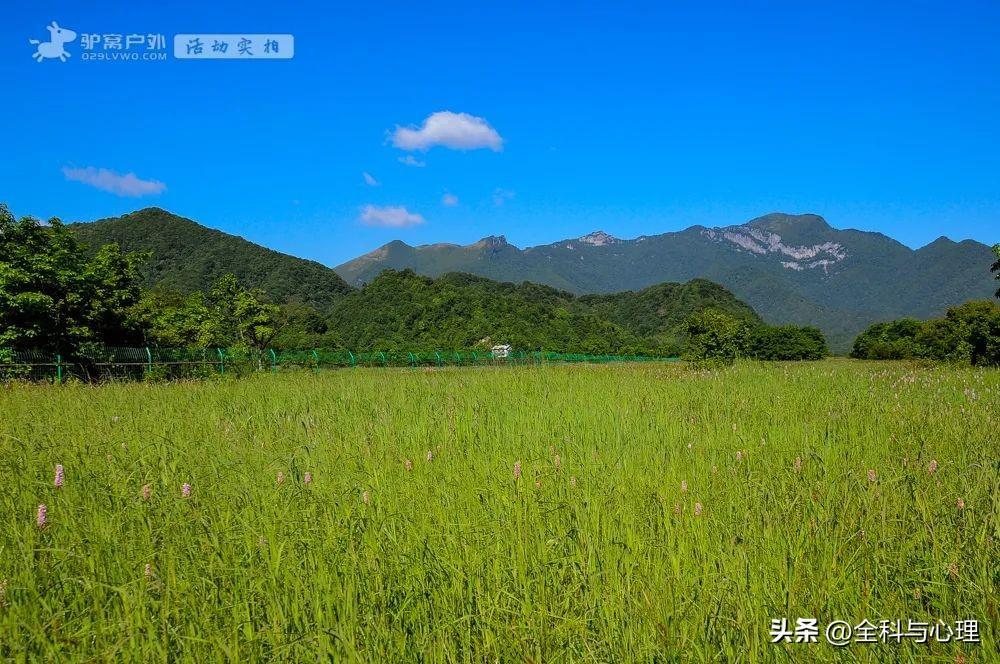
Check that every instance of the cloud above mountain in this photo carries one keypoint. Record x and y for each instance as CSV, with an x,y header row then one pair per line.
x,y
389,216
457,131
410,160
128,184
501,196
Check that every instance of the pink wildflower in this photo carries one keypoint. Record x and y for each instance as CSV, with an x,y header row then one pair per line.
x,y
961,504
684,486
932,467
186,490
59,476
517,470
365,497
281,478
677,508
148,571
147,491
739,455
430,456
798,464
308,478
538,483
408,464
42,518
557,461
871,475
697,509
572,481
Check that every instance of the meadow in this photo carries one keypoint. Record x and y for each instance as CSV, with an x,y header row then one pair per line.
x,y
616,513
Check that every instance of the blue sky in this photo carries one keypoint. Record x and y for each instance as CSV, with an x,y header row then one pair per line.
x,y
631,118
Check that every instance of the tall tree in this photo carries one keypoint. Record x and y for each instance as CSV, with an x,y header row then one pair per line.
x,y
52,297
241,317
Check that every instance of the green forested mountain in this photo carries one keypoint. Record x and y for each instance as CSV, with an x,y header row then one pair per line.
x,y
188,257
187,266
408,311
659,311
789,268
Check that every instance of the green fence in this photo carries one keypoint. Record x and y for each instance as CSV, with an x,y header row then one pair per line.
x,y
106,362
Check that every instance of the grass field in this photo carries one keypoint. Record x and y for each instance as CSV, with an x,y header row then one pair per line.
x,y
661,513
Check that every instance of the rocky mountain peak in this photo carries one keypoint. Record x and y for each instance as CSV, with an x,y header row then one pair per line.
x,y
598,239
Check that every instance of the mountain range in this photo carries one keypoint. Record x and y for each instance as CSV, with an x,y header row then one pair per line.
x,y
793,269
789,268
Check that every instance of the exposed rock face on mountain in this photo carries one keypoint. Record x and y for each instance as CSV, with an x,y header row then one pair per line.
x,y
789,268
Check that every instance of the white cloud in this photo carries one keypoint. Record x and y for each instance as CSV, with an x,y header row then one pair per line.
x,y
370,179
501,196
449,200
410,160
458,131
118,184
389,217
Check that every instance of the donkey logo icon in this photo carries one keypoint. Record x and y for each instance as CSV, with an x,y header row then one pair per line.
x,y
54,47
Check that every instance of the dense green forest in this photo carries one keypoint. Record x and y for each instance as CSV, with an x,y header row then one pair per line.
x,y
186,257
969,333
60,295
403,309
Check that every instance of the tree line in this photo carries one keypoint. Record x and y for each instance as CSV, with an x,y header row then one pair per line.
x,y
969,333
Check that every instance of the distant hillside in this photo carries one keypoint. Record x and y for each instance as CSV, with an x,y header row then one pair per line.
x,y
789,268
408,311
659,311
188,256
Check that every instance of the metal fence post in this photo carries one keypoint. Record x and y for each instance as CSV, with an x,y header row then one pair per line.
x,y
274,360
149,361
413,360
222,360
315,357
354,361
59,368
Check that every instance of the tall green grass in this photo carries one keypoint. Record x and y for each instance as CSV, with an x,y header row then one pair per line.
x,y
599,558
